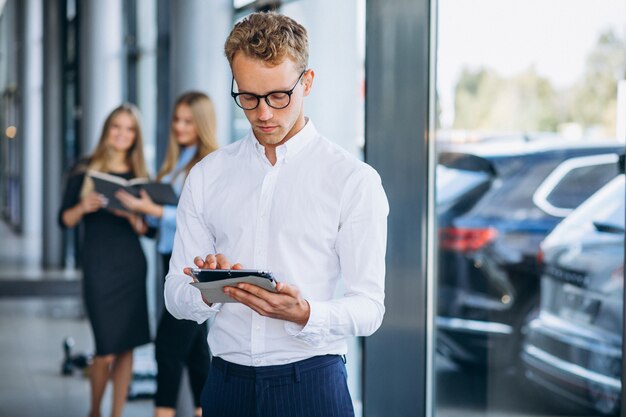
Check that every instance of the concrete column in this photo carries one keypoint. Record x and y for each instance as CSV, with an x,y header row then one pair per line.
x,y
102,66
198,31
53,132
147,77
336,53
31,124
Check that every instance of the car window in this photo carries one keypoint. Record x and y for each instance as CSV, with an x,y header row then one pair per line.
x,y
606,207
573,181
511,196
453,183
580,183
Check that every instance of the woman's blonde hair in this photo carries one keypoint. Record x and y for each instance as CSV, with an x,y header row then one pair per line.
x,y
269,37
204,122
101,157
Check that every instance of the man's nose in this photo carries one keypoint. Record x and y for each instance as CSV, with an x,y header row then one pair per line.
x,y
264,111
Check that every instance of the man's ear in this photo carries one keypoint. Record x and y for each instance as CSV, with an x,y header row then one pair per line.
x,y
308,81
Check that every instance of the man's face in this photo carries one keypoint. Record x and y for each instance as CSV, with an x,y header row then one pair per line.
x,y
272,127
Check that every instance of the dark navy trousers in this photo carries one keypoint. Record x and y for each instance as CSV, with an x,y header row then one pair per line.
x,y
310,388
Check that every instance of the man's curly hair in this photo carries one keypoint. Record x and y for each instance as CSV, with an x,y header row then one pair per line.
x,y
269,37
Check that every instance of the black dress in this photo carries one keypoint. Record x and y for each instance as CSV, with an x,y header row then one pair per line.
x,y
114,275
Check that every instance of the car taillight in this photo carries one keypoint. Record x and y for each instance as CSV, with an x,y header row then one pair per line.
x,y
465,240
540,258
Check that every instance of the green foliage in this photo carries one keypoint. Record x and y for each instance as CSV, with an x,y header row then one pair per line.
x,y
528,102
486,101
593,98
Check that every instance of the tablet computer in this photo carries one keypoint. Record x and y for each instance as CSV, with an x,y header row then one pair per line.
x,y
212,281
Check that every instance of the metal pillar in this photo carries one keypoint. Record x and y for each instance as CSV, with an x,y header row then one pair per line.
x,y
54,11
397,145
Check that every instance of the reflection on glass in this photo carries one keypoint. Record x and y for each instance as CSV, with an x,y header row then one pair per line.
x,y
530,250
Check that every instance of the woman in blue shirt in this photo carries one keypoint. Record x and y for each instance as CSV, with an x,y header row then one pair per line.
x,y
179,343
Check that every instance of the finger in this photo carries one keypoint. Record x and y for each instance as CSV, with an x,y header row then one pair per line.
x,y
199,262
144,195
237,266
254,300
222,261
210,261
124,198
287,289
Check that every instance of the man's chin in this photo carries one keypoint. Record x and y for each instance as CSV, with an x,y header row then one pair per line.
x,y
268,138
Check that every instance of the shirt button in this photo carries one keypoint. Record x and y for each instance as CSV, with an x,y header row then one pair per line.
x,y
258,328
257,361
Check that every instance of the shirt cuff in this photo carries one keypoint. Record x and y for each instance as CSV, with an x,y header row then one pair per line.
x,y
201,311
316,329
169,215
152,221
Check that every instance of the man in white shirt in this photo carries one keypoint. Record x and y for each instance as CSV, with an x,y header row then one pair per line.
x,y
288,200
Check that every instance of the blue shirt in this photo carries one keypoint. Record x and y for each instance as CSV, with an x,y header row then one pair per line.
x,y
167,223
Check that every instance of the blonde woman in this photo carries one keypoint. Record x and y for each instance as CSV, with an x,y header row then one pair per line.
x,y
113,262
179,343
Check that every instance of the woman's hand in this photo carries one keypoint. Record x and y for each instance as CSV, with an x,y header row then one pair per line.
x,y
88,204
92,202
143,204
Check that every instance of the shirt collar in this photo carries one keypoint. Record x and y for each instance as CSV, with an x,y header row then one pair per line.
x,y
293,146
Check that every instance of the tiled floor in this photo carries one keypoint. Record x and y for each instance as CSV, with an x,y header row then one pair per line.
x,y
31,355
32,331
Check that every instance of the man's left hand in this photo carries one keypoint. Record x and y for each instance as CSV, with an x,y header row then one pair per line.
x,y
285,304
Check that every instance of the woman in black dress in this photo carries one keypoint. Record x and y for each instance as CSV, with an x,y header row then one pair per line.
x,y
113,262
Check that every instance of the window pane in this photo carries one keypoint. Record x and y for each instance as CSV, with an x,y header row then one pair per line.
x,y
530,256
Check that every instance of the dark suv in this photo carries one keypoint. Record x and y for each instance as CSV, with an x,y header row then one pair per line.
x,y
574,347
489,241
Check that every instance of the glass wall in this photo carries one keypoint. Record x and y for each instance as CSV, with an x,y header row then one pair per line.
x,y
529,207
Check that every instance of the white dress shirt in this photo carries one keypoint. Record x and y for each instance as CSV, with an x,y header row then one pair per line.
x,y
317,216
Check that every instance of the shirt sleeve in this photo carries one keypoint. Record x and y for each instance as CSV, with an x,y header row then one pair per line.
x,y
193,238
361,245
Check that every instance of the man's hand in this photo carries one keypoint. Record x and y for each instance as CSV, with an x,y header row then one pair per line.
x,y
286,304
218,261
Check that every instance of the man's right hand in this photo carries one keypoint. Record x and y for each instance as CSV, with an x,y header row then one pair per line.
x,y
211,261
218,261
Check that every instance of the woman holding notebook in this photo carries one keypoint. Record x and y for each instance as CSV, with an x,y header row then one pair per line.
x,y
113,261
179,343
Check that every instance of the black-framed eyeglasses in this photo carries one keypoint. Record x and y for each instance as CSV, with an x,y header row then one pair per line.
x,y
275,99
